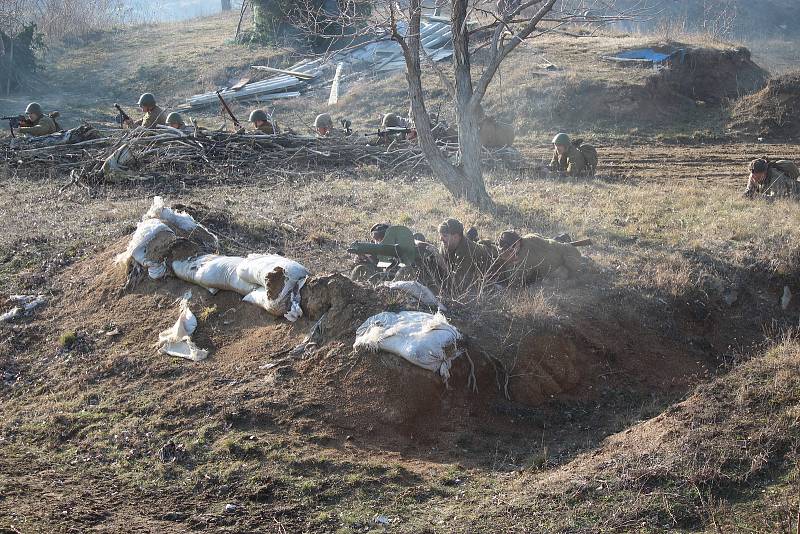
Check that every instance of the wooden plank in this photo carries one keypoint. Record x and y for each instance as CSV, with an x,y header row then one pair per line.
x,y
241,83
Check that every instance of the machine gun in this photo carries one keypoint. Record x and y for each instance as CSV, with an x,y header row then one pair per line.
x,y
228,111
122,117
397,248
384,134
15,121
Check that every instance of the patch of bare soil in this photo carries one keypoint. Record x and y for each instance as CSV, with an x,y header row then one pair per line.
x,y
773,112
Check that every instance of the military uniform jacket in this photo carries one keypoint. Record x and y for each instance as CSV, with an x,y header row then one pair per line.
x,y
776,184
573,162
268,128
467,264
537,257
44,126
153,118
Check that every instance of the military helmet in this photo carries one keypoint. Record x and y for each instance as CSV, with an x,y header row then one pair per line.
x,y
258,115
507,239
759,165
147,99
392,120
323,120
174,118
33,107
561,139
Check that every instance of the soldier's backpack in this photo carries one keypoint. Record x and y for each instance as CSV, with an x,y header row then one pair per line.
x,y
787,167
590,153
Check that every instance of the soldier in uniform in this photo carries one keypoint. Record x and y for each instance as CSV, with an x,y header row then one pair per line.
x,y
153,115
262,123
523,260
770,179
323,124
367,264
567,158
174,120
395,121
467,263
36,122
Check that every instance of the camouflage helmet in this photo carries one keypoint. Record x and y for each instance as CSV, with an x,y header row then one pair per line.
x,y
174,118
34,107
258,115
392,120
147,99
323,120
561,139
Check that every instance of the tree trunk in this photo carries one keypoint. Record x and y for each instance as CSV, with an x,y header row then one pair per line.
x,y
464,181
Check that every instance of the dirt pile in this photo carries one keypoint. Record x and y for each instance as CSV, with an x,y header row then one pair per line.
x,y
773,112
691,79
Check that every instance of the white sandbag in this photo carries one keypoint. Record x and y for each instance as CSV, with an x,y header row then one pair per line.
x,y
177,341
213,271
418,291
148,246
277,276
181,222
424,339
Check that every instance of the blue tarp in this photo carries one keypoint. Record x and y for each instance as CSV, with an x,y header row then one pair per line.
x,y
646,54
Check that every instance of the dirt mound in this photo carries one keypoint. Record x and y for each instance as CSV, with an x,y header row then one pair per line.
x,y
773,112
691,77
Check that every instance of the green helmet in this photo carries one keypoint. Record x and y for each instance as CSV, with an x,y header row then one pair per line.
x,y
323,120
147,99
561,139
33,107
392,120
175,118
258,115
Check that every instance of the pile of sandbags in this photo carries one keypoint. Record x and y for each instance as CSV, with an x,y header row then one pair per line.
x,y
155,235
269,281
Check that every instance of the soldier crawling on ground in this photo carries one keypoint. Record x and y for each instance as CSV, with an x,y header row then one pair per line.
x,y
523,260
773,179
153,115
36,123
572,159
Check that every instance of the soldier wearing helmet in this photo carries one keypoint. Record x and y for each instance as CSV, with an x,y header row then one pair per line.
x,y
523,260
36,123
567,158
174,120
262,123
403,128
323,124
467,263
153,115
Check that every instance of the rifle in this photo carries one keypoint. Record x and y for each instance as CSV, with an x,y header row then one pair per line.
x,y
122,117
15,121
228,111
390,131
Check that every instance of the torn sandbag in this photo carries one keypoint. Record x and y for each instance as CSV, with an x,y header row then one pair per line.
x,y
177,341
418,291
269,281
281,280
148,247
182,223
424,339
213,272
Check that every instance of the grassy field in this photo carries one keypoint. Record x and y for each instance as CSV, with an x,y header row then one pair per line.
x,y
657,392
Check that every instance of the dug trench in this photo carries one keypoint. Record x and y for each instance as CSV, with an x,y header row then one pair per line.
x,y
600,351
